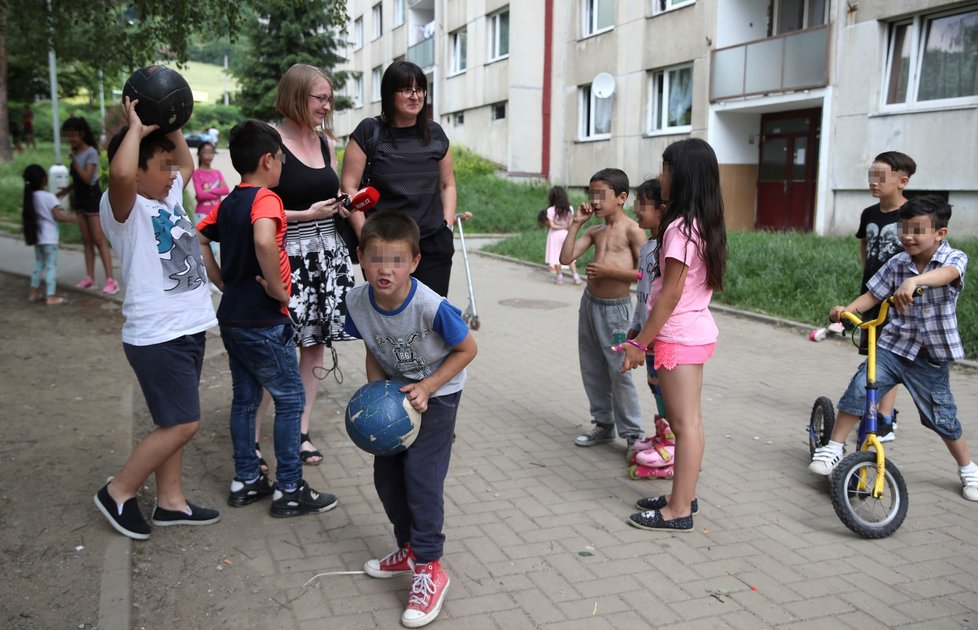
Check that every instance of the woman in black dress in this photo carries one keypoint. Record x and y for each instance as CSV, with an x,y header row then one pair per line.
x,y
407,158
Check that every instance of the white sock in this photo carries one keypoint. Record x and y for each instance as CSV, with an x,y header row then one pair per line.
x,y
838,447
970,468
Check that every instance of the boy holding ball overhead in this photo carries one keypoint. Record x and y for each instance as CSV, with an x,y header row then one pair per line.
x,y
167,309
412,334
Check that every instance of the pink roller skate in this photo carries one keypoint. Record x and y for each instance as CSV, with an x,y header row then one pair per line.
x,y
645,472
659,456
663,435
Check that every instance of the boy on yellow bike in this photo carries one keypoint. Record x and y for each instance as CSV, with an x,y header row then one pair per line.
x,y
920,341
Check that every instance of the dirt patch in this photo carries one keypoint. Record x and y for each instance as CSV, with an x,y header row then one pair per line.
x,y
62,379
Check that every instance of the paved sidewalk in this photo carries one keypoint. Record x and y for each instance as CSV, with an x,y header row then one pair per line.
x,y
536,532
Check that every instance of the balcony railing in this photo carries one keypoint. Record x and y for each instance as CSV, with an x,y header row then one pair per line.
x,y
422,53
793,61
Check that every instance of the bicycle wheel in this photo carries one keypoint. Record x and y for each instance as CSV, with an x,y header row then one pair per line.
x,y
821,423
852,496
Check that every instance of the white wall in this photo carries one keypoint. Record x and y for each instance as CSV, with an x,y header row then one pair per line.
x,y
740,21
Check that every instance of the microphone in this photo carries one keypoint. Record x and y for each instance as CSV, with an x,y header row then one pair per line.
x,y
363,200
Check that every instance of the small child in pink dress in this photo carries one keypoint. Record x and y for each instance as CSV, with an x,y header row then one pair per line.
x,y
209,184
558,220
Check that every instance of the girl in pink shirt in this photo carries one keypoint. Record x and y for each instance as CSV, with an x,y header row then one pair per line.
x,y
209,184
691,260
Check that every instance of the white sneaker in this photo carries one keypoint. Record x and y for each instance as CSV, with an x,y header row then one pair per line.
x,y
969,485
824,461
599,434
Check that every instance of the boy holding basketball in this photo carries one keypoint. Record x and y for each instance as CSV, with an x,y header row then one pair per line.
x,y
606,307
167,309
414,335
255,325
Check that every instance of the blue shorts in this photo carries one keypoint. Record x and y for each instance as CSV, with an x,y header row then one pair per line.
x,y
169,375
926,380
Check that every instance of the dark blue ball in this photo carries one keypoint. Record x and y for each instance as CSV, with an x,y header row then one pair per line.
x,y
165,97
381,420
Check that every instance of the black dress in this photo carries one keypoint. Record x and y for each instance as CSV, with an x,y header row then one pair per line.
x,y
321,269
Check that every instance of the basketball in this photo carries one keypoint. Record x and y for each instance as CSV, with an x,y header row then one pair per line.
x,y
165,97
381,420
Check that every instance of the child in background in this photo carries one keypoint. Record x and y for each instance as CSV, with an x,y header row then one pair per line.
x,y
414,335
879,240
606,307
558,216
659,448
921,340
256,328
41,214
85,197
690,264
209,184
168,310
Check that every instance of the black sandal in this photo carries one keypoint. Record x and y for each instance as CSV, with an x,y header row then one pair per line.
x,y
262,464
305,456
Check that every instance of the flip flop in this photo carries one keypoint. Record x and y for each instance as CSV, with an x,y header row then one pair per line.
x,y
305,456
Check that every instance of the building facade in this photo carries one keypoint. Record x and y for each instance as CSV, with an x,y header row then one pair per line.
x,y
795,96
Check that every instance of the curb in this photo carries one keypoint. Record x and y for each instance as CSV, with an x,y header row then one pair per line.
x,y
964,364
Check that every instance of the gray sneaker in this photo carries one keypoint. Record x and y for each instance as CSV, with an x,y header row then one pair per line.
x,y
598,434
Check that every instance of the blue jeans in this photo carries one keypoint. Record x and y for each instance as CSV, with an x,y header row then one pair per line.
x,y
925,379
265,358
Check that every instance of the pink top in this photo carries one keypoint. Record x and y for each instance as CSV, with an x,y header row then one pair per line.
x,y
691,324
209,187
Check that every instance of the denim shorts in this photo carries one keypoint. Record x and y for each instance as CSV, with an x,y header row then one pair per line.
x,y
169,375
926,380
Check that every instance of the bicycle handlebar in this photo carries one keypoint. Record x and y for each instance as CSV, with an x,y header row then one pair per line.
x,y
853,319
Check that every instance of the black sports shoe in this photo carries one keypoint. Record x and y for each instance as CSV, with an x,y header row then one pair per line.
x,y
243,493
198,516
657,503
130,522
304,500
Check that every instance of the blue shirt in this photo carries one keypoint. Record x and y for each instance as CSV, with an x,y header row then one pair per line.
x,y
931,321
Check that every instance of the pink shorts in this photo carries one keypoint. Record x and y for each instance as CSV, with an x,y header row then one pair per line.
x,y
669,355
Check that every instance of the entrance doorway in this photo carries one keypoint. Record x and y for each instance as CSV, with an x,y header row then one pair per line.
x,y
788,170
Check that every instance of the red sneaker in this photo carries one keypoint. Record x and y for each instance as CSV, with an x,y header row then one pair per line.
x,y
427,594
397,562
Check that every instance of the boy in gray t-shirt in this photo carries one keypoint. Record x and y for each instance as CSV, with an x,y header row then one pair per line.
x,y
414,335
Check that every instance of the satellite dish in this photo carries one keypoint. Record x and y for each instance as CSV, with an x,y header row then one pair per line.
x,y
603,85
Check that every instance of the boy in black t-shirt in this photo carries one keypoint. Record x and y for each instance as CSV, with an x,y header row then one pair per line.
x,y
255,325
879,234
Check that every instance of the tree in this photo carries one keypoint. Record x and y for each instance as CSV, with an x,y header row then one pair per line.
x,y
284,34
109,35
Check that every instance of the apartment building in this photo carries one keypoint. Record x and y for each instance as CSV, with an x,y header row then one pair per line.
x,y
796,96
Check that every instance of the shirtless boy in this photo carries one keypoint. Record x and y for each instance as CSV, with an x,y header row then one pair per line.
x,y
606,307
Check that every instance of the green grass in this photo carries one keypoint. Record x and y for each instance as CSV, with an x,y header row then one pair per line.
x,y
207,79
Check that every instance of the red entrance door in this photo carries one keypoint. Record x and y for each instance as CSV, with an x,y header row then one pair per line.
x,y
788,170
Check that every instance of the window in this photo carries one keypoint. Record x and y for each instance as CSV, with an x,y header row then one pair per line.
x,y
498,111
594,118
459,118
597,16
499,35
671,100
459,53
377,16
661,6
377,74
795,15
358,33
358,91
398,13
933,58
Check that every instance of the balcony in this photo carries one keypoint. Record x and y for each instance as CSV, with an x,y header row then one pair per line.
x,y
422,53
785,63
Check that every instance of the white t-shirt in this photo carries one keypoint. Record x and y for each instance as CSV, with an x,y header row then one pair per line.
x,y
47,227
167,295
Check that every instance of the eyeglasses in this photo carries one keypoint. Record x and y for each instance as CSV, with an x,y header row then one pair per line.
x,y
409,92
323,99
280,157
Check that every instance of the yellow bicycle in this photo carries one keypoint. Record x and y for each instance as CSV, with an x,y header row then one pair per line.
x,y
868,492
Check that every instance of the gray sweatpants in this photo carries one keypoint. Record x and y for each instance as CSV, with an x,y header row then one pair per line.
x,y
613,397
